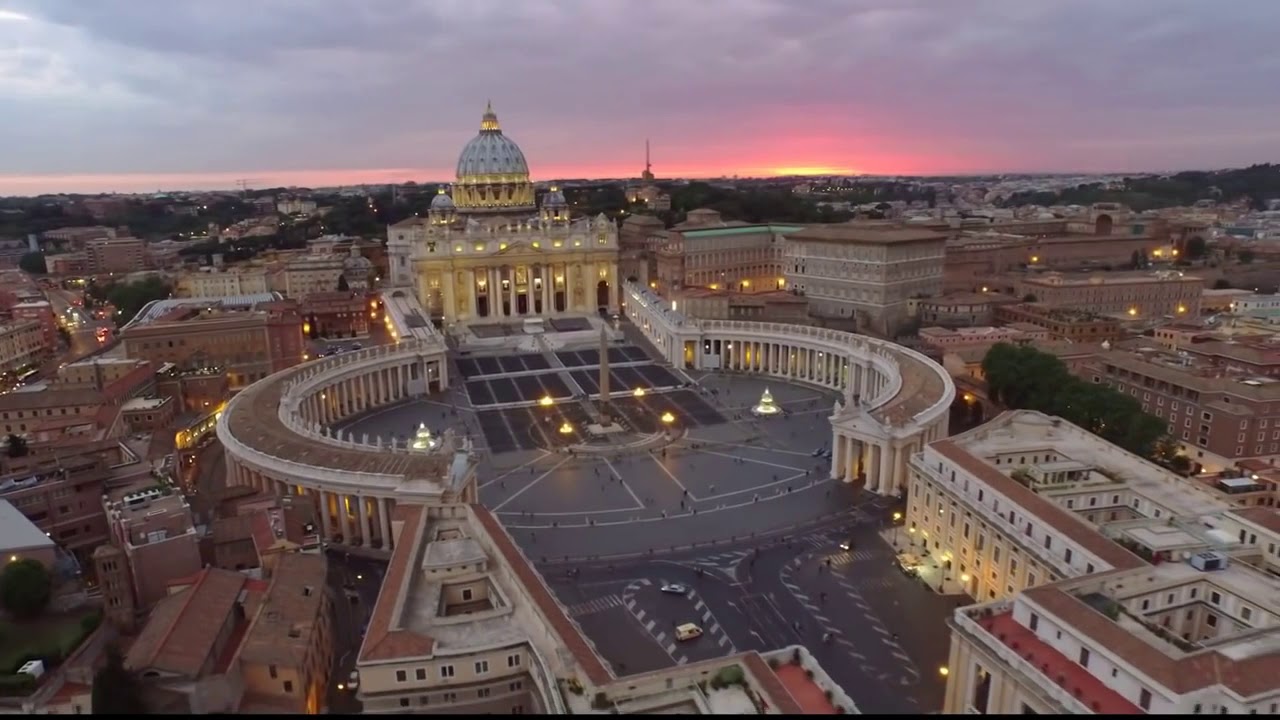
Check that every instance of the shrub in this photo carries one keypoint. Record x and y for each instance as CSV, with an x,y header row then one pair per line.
x,y
89,623
25,587
731,675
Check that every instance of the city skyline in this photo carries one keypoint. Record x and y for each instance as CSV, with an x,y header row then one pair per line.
x,y
143,96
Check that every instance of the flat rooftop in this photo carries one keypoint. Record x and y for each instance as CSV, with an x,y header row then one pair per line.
x,y
19,533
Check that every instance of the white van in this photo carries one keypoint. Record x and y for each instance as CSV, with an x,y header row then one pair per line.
x,y
687,631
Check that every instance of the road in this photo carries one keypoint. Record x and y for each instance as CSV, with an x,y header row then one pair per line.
x,y
354,582
880,634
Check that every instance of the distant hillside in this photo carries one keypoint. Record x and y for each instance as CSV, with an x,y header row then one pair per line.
x,y
1257,184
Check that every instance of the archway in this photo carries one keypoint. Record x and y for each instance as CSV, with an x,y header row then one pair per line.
x,y
602,294
1102,226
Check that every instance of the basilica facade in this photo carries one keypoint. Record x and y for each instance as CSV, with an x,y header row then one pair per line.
x,y
491,250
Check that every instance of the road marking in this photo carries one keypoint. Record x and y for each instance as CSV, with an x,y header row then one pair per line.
x,y
724,640
674,479
822,619
639,613
524,489
682,660
631,603
752,460
518,467
646,581
898,654
880,630
715,628
700,605
661,636
649,626
671,649
595,605
706,616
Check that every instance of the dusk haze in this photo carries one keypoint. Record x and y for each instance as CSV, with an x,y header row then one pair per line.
x,y
140,95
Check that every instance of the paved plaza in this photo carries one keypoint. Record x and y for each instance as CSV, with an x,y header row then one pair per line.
x,y
726,473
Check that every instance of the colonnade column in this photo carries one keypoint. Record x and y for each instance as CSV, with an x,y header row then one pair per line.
x,y
363,511
343,518
384,515
838,457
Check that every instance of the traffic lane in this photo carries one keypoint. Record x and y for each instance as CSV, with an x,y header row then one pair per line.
x,y
348,620
669,610
624,642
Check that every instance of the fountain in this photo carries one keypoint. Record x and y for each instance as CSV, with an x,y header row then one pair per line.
x,y
423,440
766,406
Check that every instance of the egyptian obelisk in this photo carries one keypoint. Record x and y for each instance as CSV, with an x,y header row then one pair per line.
x,y
605,420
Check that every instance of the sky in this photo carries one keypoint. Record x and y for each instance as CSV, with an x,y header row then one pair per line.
x,y
147,95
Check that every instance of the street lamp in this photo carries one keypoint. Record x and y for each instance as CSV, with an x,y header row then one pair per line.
x,y
668,418
566,428
638,392
546,401
944,671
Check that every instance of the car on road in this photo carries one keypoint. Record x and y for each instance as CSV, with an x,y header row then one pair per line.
x,y
674,588
909,563
687,631
817,453
353,681
846,545
357,346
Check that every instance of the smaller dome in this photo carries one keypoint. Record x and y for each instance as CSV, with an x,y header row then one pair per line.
x,y
441,201
554,198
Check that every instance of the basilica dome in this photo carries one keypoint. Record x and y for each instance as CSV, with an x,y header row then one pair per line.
x,y
493,176
491,152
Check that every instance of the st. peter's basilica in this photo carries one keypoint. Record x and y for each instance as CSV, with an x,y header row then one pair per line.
x,y
489,250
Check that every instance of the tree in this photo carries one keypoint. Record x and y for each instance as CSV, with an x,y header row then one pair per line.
x,y
33,262
25,587
1245,256
1222,284
116,691
16,446
343,285
1195,248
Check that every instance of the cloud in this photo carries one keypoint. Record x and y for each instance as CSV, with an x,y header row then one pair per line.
x,y
261,86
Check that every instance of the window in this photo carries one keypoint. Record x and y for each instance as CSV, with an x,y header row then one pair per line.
x,y
273,671
1246,613
466,594
420,673
517,709
404,702
482,692
401,676
1035,622
424,700
1144,699
516,686
1215,598
1067,555
451,697
482,667
288,686
1084,657
446,671
513,661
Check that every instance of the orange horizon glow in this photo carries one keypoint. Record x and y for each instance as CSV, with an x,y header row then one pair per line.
x,y
683,168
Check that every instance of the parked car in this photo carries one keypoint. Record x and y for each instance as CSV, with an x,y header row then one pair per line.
x,y
687,631
674,588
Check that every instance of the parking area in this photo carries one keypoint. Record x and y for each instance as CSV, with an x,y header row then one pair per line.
x,y
535,426
471,367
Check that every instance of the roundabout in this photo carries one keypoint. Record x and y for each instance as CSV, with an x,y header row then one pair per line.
x,y
727,430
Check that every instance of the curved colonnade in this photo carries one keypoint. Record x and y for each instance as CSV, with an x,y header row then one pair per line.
x,y
894,399
277,438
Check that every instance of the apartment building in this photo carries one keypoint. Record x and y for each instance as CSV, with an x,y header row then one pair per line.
x,y
213,283
74,238
115,255
249,337
41,312
1062,324
866,271
221,641
154,529
1252,304
1220,411
946,339
1147,295
63,497
777,306
22,344
337,314
303,275
49,412
704,251
958,309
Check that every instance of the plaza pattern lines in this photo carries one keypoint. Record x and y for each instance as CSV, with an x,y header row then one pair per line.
x,y
663,632
878,632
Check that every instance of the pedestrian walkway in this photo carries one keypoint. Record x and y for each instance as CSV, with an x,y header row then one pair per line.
x,y
595,605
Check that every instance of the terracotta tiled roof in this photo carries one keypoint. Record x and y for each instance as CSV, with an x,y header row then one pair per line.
x,y
382,641
1246,677
1058,517
1268,518
182,631
551,611
771,685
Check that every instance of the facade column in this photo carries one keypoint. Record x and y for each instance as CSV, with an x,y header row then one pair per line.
x,y
614,291
853,453
384,517
837,455
366,537
344,518
568,285
899,468
450,309
325,522
886,468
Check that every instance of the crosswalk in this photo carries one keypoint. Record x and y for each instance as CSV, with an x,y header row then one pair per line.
x,y
595,605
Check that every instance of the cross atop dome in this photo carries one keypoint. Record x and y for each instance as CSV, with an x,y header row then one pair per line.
x,y
489,123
